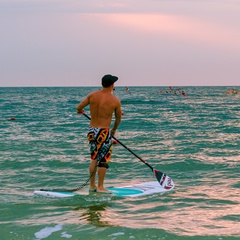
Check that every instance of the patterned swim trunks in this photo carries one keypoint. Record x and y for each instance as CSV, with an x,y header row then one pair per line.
x,y
100,145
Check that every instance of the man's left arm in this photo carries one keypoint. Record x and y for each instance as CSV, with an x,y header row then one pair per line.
x,y
118,117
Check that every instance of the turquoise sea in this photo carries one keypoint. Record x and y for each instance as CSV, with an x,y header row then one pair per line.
x,y
194,139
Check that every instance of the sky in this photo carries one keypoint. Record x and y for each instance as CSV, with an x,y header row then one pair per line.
x,y
143,42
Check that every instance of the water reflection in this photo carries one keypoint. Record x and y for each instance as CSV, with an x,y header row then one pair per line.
x,y
94,215
207,209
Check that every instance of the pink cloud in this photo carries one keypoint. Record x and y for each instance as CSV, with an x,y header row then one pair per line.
x,y
180,27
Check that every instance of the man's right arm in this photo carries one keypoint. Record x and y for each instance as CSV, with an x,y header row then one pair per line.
x,y
83,104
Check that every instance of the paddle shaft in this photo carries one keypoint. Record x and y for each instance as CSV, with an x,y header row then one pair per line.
x,y
126,147
133,153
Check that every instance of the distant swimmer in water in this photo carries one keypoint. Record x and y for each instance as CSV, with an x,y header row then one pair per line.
x,y
184,94
11,119
127,90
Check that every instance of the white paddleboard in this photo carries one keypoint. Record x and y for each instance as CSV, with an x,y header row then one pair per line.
x,y
135,190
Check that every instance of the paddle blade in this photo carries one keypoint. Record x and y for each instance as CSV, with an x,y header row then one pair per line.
x,y
164,180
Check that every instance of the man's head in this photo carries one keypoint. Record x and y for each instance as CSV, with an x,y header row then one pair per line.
x,y
108,80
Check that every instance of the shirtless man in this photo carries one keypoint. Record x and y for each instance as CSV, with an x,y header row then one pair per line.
x,y
102,105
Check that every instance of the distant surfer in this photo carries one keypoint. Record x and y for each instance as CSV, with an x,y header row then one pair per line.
x,y
103,104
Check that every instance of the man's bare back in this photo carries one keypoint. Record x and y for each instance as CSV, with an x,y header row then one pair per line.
x,y
102,105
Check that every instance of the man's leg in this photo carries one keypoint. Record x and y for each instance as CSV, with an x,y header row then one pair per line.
x,y
92,173
101,176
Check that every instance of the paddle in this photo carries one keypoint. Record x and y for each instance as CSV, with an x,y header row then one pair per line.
x,y
162,178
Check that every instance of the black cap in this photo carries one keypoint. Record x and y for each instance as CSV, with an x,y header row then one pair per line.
x,y
108,80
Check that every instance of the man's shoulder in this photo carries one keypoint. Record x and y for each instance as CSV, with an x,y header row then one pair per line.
x,y
93,93
115,98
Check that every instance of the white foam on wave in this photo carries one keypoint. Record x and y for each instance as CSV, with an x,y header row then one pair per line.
x,y
47,231
64,234
117,234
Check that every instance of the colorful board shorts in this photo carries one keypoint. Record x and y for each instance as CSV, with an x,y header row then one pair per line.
x,y
100,145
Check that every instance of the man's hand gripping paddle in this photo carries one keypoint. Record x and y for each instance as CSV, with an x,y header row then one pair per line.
x,y
165,181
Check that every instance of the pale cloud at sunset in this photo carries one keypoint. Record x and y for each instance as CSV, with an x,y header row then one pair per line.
x,y
72,43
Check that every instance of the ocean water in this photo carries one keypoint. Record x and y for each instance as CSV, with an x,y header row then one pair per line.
x,y
194,139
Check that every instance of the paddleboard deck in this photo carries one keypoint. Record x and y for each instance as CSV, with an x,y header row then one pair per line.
x,y
135,190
